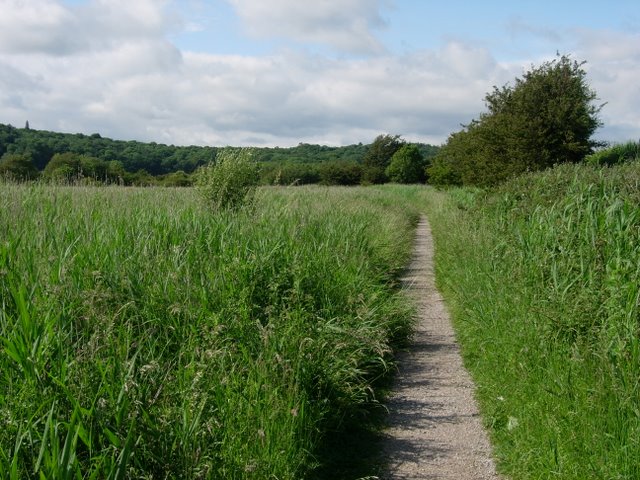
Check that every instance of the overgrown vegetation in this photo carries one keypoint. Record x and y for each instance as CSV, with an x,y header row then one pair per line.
x,y
546,118
144,337
231,181
616,154
542,277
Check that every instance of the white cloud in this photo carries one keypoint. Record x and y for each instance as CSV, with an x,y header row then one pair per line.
x,y
346,25
613,70
38,25
47,26
150,91
120,76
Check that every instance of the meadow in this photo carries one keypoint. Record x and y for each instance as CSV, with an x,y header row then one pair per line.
x,y
145,336
542,275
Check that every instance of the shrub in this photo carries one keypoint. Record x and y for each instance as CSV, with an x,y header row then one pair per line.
x,y
615,154
177,179
18,167
340,173
231,181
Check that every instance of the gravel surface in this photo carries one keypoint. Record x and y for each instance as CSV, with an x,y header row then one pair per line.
x,y
435,431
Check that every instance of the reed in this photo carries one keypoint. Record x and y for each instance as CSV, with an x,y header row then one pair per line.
x,y
145,336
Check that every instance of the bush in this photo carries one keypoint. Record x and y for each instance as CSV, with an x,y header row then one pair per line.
x,y
18,167
231,181
177,179
340,173
615,154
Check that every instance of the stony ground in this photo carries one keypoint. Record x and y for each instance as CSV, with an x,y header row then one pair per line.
x,y
435,431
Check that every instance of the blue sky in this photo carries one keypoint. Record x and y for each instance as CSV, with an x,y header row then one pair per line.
x,y
280,72
510,29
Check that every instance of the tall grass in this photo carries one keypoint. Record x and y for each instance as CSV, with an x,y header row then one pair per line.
x,y
543,277
145,337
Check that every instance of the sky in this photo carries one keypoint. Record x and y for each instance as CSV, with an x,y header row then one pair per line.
x,y
284,72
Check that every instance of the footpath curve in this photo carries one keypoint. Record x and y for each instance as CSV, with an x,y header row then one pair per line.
x,y
434,427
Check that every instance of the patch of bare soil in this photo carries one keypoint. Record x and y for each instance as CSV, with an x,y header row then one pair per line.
x,y
435,431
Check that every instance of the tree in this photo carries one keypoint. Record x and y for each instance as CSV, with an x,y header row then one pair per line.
x,y
18,167
407,165
547,117
64,166
378,157
340,173
289,173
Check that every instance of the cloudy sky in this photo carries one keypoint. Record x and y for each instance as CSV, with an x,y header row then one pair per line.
x,y
281,72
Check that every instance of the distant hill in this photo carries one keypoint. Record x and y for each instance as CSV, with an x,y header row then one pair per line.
x,y
156,159
159,159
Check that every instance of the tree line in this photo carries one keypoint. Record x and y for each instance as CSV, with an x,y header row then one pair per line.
x,y
26,154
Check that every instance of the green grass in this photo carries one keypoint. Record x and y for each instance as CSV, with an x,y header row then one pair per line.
x,y
543,278
146,337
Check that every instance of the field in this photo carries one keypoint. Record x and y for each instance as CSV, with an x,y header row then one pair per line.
x,y
543,277
144,336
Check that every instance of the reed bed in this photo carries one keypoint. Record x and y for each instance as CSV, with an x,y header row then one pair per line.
x,y
144,336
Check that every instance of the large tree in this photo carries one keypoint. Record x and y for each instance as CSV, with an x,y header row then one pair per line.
x,y
547,117
407,165
378,157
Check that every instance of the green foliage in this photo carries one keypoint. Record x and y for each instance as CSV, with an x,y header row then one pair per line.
x,y
138,161
441,172
621,153
64,166
141,337
545,302
157,159
307,154
141,178
378,157
74,168
8,135
407,165
17,167
231,181
177,179
340,173
546,118
289,173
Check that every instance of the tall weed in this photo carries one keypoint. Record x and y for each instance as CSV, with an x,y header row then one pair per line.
x,y
543,279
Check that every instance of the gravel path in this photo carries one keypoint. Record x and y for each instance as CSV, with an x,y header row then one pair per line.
x,y
435,430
